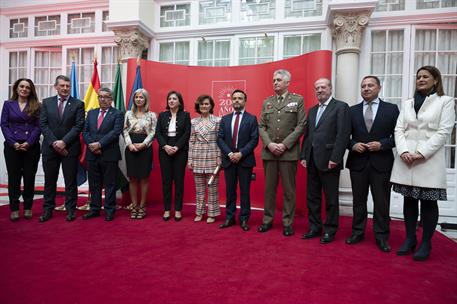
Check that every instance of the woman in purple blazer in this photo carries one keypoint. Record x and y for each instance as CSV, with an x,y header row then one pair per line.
x,y
19,122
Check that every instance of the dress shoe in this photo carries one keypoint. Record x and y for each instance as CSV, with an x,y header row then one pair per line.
x,y
178,216
327,238
90,214
288,231
84,207
354,239
264,227
244,225
210,220
27,214
109,217
312,234
45,216
166,216
227,223
198,218
423,252
383,245
14,216
60,208
71,216
408,246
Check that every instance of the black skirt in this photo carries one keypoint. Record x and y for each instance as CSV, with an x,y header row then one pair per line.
x,y
421,193
139,164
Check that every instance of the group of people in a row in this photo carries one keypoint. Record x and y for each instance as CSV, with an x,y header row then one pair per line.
x,y
369,130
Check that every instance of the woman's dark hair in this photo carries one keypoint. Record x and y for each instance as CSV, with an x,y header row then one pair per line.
x,y
200,100
34,106
436,75
180,99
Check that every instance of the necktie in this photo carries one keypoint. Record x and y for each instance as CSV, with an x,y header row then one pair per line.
x,y
235,130
368,117
319,113
100,118
280,98
60,107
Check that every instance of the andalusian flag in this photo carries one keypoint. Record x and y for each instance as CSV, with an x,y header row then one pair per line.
x,y
91,98
118,96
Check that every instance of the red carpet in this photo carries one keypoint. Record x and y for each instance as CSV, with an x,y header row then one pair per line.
x,y
152,261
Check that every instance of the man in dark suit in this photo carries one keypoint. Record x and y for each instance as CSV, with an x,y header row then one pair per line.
x,y
61,122
281,125
237,138
326,139
370,161
101,134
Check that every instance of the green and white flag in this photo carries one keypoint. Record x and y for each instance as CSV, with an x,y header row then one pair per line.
x,y
118,96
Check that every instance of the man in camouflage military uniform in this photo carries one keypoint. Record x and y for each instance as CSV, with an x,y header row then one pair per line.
x,y
281,124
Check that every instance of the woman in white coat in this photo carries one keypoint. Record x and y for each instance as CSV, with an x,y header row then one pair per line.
x,y
419,171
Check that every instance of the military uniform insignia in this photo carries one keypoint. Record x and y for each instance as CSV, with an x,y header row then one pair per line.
x,y
292,104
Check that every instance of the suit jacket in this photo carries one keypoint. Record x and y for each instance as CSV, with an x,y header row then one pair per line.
x,y
248,138
204,154
182,129
329,139
425,132
17,125
67,129
382,130
107,135
282,123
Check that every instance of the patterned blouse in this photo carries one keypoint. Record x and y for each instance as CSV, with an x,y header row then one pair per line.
x,y
144,125
204,154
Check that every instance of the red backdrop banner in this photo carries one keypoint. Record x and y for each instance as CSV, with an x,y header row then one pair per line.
x,y
256,80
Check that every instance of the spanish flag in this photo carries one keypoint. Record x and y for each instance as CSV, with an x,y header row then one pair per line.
x,y
91,97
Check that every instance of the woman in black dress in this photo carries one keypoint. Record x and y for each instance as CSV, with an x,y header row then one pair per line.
x,y
139,130
173,132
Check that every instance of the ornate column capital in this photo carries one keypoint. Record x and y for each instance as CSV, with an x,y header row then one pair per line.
x,y
347,29
132,42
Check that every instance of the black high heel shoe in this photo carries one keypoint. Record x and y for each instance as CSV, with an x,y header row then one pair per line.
x,y
423,252
166,218
178,216
408,246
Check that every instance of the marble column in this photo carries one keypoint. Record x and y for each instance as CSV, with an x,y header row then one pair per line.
x,y
131,42
347,29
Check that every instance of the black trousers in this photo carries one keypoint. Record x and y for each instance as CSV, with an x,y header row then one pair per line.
x,y
21,165
102,175
51,166
328,181
235,174
379,184
173,169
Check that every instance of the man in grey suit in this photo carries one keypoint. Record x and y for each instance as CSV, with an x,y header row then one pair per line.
x,y
61,122
326,139
281,125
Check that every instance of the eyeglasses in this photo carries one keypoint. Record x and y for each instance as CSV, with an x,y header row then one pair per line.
x,y
104,97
